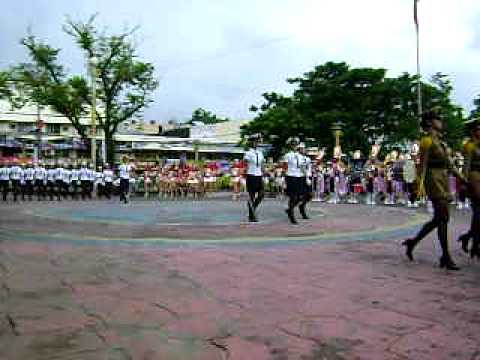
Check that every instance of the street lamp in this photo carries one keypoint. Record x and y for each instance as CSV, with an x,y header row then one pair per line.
x,y
337,131
93,62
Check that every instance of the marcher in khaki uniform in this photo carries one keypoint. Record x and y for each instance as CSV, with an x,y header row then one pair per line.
x,y
435,165
472,174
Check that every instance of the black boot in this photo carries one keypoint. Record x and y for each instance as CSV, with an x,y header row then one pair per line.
x,y
445,261
251,213
410,245
464,239
303,211
291,216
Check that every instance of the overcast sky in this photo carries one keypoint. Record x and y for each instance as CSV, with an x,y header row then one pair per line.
x,y
223,54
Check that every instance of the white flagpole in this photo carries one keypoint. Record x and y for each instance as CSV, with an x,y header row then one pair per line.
x,y
419,74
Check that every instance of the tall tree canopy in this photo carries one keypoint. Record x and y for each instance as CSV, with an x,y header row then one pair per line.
x,y
207,117
369,106
124,83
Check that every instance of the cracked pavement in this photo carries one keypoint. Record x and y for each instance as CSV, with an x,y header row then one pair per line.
x,y
305,301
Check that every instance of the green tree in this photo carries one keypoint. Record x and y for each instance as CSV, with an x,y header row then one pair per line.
x,y
206,117
369,105
124,83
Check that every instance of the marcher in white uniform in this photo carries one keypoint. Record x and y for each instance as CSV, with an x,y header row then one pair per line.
x,y
4,179
59,181
74,181
29,181
85,180
40,179
16,174
293,160
108,178
255,167
51,181
100,182
124,171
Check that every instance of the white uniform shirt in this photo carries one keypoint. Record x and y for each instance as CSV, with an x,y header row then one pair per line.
x,y
58,174
40,173
294,162
91,175
124,171
66,176
16,173
51,175
4,173
29,174
108,175
255,161
307,166
74,175
99,178
84,175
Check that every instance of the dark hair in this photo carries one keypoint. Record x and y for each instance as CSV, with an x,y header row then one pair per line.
x,y
427,119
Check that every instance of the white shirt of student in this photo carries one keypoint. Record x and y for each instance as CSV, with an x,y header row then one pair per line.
x,y
108,175
74,175
84,175
66,176
4,173
307,166
294,162
91,175
255,161
58,174
29,174
99,178
124,171
51,174
40,173
16,173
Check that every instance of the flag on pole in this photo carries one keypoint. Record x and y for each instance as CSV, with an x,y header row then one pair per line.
x,y
415,12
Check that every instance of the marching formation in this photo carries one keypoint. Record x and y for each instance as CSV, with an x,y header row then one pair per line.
x,y
56,181
428,171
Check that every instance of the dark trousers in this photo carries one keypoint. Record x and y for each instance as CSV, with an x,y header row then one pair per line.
x,y
41,189
28,189
412,194
4,188
51,189
60,188
16,189
108,189
74,189
439,221
86,193
124,189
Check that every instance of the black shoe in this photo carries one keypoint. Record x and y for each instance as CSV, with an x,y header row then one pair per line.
x,y
448,264
291,217
474,252
464,239
303,213
409,248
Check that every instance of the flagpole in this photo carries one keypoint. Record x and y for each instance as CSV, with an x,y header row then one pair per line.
x,y
419,74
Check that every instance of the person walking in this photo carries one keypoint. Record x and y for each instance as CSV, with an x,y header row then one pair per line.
x,y
434,167
255,162
294,177
471,172
124,171
4,179
16,174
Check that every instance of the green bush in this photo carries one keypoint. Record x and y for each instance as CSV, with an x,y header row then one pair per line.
x,y
224,183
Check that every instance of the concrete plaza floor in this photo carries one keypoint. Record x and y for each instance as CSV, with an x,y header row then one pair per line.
x,y
193,280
